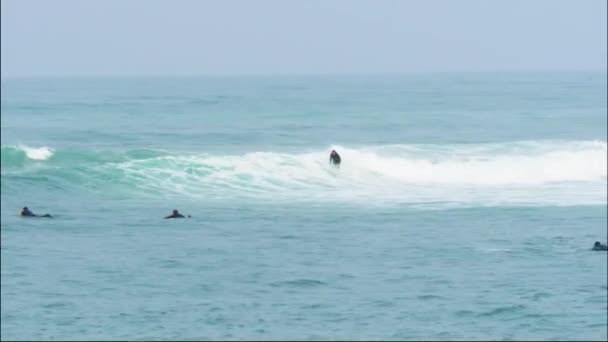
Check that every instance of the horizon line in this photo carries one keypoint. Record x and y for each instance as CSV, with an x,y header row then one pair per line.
x,y
292,74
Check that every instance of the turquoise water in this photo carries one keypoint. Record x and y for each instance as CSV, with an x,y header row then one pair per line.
x,y
465,207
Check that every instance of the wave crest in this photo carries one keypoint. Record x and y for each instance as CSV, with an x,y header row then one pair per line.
x,y
18,154
516,172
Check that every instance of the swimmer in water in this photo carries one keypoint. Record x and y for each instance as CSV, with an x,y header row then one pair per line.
x,y
26,212
334,158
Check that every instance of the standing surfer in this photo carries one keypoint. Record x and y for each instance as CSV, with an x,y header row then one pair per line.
x,y
334,158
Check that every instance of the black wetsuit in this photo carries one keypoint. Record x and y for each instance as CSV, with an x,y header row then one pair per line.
x,y
334,158
600,247
28,213
175,215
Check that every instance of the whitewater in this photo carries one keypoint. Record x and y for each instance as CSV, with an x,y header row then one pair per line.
x,y
525,173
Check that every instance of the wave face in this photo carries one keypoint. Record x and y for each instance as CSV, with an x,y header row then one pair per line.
x,y
517,173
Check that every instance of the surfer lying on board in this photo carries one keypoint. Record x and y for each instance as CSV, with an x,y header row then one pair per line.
x,y
599,247
175,214
28,213
334,158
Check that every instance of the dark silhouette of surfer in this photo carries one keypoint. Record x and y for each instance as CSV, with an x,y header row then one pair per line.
x,y
599,247
26,212
334,158
176,214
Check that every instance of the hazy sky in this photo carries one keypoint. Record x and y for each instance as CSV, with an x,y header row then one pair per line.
x,y
187,37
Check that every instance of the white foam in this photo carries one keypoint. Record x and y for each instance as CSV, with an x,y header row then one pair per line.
x,y
37,153
471,167
529,173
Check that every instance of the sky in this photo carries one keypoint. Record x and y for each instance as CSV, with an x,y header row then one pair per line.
x,y
234,37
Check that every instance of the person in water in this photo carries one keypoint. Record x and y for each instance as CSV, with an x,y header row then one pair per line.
x,y
334,158
28,213
599,247
175,214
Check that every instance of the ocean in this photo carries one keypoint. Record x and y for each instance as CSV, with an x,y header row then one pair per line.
x,y
465,207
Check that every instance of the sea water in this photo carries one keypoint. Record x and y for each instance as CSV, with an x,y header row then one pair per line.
x,y
465,207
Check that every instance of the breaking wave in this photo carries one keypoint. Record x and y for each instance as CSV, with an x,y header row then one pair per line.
x,y
529,172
